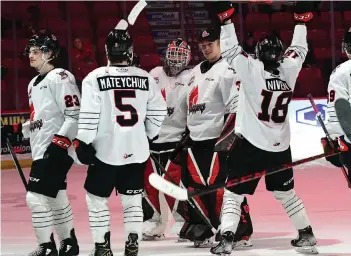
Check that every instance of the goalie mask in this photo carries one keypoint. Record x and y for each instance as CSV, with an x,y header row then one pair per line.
x,y
269,50
119,46
46,43
178,55
346,43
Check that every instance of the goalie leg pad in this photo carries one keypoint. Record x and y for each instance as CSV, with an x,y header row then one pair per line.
x,y
151,201
294,207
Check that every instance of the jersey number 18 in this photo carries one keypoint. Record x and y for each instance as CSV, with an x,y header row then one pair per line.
x,y
280,109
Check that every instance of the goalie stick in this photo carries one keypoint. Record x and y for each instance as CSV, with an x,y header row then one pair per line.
x,y
182,194
329,139
164,171
343,112
17,164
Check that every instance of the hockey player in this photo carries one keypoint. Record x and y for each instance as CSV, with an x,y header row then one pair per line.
x,y
54,101
212,93
339,87
267,85
121,108
172,79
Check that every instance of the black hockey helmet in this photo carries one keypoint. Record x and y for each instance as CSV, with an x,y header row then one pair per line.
x,y
119,46
46,42
269,49
346,43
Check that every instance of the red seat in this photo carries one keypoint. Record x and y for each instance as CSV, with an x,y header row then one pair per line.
x,y
77,9
347,18
144,44
282,20
259,34
319,37
149,61
58,27
338,37
8,62
310,81
286,36
256,21
50,9
323,53
106,25
23,93
325,19
6,48
81,28
105,9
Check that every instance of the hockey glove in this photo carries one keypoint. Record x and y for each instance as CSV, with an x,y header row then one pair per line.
x,y
57,149
224,10
334,160
303,10
85,153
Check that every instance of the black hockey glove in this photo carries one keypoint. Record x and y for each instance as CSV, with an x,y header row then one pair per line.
x,y
85,153
327,148
223,9
303,10
57,149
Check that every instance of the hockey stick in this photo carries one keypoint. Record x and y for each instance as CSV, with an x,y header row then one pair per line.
x,y
137,9
164,171
182,194
17,164
343,112
329,139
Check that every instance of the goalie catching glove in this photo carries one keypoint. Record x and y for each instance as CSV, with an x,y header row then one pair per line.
x,y
224,10
85,153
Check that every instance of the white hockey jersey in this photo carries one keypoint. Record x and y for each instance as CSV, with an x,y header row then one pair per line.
x,y
210,96
54,101
120,109
173,90
264,97
339,87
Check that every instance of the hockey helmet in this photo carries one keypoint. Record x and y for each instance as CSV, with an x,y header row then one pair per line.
x,y
119,46
46,42
346,43
269,49
136,60
178,55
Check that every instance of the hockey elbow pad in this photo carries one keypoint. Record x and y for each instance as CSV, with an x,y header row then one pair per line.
x,y
303,10
224,10
85,153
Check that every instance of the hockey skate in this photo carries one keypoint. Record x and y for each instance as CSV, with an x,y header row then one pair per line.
x,y
243,243
305,242
46,249
225,246
103,249
69,246
152,230
208,242
132,247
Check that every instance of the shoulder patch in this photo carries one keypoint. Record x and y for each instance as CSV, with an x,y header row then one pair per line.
x,y
63,74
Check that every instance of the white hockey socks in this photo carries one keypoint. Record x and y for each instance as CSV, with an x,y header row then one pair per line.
x,y
231,211
63,216
294,208
99,216
42,216
132,214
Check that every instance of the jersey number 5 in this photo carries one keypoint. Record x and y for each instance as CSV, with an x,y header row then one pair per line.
x,y
120,119
280,109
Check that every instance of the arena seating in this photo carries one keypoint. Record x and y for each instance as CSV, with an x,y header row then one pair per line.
x,y
91,21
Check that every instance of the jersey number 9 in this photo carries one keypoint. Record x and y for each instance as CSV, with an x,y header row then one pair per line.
x,y
120,119
280,109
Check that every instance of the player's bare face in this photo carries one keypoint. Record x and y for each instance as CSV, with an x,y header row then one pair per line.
x,y
35,57
210,50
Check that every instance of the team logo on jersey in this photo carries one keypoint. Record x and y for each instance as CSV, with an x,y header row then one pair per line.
x,y
34,125
163,92
191,81
205,34
170,111
157,79
193,98
127,156
275,84
63,74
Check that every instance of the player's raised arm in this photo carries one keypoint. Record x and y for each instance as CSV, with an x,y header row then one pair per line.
x,y
156,110
90,110
296,53
68,100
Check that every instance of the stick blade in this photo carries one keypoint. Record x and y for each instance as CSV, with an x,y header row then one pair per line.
x,y
167,187
133,15
343,112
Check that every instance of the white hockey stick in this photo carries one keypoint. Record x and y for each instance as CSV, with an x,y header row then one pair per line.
x,y
137,9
